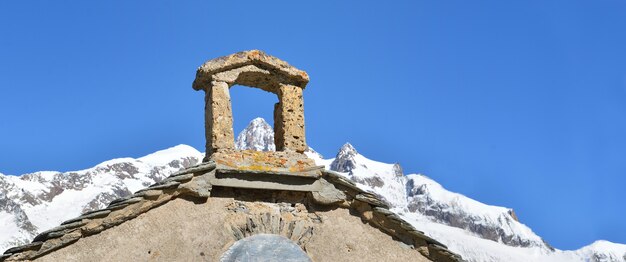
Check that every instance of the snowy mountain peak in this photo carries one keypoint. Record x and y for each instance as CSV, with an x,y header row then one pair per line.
x,y
345,159
259,121
347,150
602,250
606,245
158,158
35,202
258,135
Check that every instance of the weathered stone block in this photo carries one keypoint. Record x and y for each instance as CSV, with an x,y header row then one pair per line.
x,y
289,118
218,118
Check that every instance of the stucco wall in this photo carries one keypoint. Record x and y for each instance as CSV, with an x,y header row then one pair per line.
x,y
182,230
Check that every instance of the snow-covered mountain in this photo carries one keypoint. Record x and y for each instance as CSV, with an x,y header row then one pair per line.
x,y
476,231
35,202
32,203
258,135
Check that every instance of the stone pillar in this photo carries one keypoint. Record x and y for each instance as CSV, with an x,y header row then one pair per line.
x,y
218,120
279,131
289,120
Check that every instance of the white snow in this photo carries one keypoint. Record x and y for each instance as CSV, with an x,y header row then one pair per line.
x,y
471,247
9,229
133,185
64,206
111,162
474,248
459,203
33,187
68,204
47,175
318,158
164,157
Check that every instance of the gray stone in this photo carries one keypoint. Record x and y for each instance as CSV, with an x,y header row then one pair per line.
x,y
115,207
408,227
382,211
92,229
148,193
118,200
92,211
58,234
57,231
339,179
207,166
22,248
126,202
263,180
441,253
331,174
306,236
198,186
370,200
328,194
58,243
275,224
426,238
298,230
309,172
405,246
180,178
349,184
90,215
72,225
45,235
73,220
167,185
396,218
237,232
370,195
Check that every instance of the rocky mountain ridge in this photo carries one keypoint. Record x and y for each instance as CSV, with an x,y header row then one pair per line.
x,y
32,203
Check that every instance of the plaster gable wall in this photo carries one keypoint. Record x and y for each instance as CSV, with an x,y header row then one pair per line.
x,y
183,230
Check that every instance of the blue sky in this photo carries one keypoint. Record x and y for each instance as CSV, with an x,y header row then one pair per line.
x,y
513,103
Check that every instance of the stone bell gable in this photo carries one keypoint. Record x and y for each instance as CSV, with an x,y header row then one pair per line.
x,y
241,205
254,69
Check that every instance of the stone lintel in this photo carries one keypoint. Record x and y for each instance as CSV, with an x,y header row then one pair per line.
x,y
287,73
315,172
264,161
265,181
